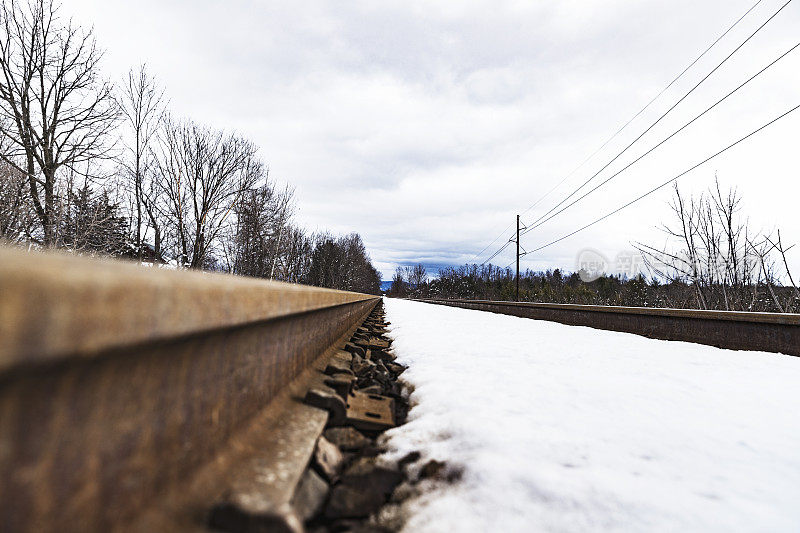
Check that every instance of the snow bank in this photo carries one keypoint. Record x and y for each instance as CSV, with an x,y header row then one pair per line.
x,y
563,428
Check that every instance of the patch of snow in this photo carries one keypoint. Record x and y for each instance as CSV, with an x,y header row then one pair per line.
x,y
564,428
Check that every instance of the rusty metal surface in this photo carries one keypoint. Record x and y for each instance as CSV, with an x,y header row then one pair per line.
x,y
91,432
769,332
258,468
54,305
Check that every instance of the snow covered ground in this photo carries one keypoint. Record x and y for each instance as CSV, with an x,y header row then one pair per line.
x,y
563,428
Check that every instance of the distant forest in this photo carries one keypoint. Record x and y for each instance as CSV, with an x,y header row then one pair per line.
x,y
719,262
101,168
489,282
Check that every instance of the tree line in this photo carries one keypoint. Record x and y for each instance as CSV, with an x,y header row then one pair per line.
x,y
717,261
105,169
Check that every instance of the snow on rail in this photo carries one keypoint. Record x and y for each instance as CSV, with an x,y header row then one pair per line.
x,y
565,428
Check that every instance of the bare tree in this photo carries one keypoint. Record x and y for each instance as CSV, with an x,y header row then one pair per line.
x,y
204,174
141,103
54,109
417,276
90,221
793,299
766,270
359,273
399,286
327,263
262,232
16,212
343,264
727,265
297,258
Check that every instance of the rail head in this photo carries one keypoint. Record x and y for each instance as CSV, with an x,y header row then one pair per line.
x,y
55,306
788,319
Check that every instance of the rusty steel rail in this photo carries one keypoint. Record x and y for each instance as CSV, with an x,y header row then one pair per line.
x,y
768,332
119,382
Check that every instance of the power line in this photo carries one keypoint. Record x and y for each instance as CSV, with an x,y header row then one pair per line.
x,y
673,134
656,97
651,191
665,89
586,182
612,137
491,243
499,251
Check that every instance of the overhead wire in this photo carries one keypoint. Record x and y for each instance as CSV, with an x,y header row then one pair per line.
x,y
670,136
676,78
498,252
660,118
671,180
626,124
643,109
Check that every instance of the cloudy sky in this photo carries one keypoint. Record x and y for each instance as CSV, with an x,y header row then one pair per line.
x,y
427,126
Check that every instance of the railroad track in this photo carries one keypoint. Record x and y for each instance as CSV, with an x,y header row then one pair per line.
x,y
139,399
768,332
152,400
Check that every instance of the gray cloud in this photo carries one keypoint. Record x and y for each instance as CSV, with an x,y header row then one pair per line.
x,y
427,126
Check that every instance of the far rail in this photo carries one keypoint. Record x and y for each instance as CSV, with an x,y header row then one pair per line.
x,y
735,330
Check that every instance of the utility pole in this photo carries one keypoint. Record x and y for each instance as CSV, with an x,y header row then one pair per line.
x,y
517,257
